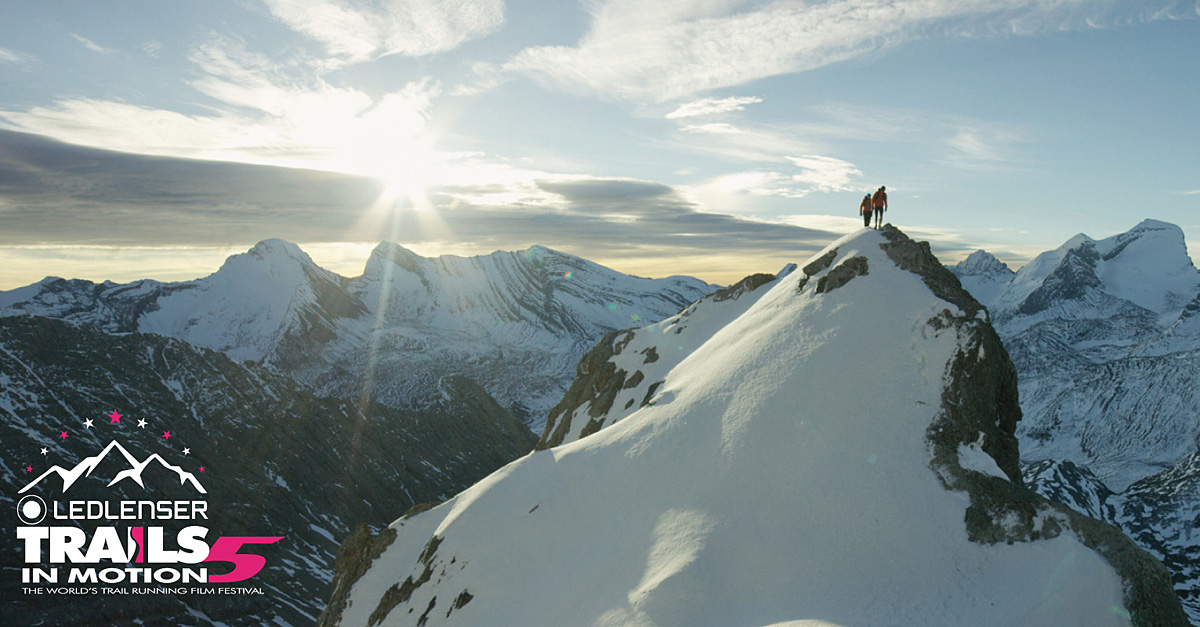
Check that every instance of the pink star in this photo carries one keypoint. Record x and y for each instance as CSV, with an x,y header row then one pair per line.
x,y
29,469
202,469
166,435
115,417
63,435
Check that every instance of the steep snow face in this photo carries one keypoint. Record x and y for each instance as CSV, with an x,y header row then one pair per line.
x,y
246,307
780,473
516,322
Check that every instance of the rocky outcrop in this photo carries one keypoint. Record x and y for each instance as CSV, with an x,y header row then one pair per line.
x,y
980,401
354,557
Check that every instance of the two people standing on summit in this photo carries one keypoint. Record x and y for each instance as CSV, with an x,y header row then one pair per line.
x,y
874,206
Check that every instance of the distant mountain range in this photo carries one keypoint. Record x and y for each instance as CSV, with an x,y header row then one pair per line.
x,y
514,322
330,403
1105,335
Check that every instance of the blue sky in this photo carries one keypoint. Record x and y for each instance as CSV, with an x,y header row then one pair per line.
x,y
708,137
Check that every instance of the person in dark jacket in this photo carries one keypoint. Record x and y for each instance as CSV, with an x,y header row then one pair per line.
x,y
879,204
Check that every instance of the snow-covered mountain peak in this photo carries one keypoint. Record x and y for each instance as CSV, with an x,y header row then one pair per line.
x,y
805,454
276,259
1145,269
980,263
390,253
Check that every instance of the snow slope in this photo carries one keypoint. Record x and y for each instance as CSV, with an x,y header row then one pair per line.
x,y
781,474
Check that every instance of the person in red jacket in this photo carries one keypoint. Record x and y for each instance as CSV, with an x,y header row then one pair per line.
x,y
879,203
864,209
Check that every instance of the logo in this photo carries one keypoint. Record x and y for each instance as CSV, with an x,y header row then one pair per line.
x,y
91,545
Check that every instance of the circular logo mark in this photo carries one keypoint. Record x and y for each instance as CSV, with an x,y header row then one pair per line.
x,y
31,509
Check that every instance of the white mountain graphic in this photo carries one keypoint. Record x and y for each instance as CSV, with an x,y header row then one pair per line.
x,y
88,464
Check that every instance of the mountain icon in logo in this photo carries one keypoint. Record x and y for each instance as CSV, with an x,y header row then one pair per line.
x,y
88,464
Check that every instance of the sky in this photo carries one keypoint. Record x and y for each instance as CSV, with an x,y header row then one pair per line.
x,y
715,138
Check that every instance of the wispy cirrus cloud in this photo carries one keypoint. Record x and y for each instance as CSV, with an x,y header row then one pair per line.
x,y
712,106
715,128
13,57
355,31
91,45
659,52
264,112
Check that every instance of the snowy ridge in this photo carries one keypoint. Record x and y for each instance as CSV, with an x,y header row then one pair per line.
x,y
515,322
761,486
624,372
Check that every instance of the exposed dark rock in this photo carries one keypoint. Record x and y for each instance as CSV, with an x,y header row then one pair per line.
x,y
650,393
595,377
1071,280
354,557
593,425
748,284
459,601
420,507
425,616
820,263
841,274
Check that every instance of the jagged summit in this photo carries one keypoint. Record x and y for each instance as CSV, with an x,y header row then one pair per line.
x,y
1146,268
840,450
982,262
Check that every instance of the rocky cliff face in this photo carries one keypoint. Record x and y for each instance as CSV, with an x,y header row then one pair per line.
x,y
279,461
843,448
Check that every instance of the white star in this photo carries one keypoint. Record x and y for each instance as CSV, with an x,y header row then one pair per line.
x,y
141,423
187,451
43,451
88,423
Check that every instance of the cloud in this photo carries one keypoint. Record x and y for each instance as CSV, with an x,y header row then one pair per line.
x,y
716,128
712,106
265,112
605,190
358,30
55,194
816,174
825,174
658,52
90,45
18,59
153,48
